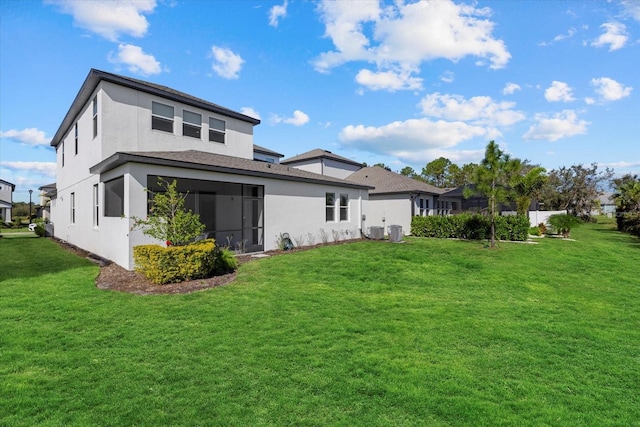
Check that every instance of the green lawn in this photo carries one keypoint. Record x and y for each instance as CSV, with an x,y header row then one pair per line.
x,y
427,332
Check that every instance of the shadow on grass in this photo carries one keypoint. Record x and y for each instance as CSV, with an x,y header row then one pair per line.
x,y
25,257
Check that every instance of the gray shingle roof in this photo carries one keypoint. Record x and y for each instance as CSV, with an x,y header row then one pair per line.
x,y
96,76
317,154
387,182
193,159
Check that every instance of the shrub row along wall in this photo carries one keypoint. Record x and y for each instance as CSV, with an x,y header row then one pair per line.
x,y
467,226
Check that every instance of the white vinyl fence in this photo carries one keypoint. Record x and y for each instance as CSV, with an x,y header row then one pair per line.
x,y
536,217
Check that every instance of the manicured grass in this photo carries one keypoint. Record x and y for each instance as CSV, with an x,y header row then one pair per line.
x,y
427,332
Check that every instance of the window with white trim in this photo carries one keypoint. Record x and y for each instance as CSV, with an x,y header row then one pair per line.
x,y
76,138
161,117
114,197
191,124
330,206
217,130
73,208
344,207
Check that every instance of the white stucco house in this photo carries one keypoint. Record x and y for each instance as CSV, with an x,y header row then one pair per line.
x,y
121,134
6,200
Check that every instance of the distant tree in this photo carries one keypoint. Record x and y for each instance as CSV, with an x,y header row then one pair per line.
x,y
575,189
436,172
491,180
462,176
408,171
627,193
168,220
383,166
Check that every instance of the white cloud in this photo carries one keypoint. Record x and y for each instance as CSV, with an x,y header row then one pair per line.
x,y
226,63
136,60
572,32
478,110
615,35
299,118
447,77
511,88
42,168
632,8
402,36
109,18
622,164
29,136
411,136
249,111
388,80
610,90
277,12
560,125
559,92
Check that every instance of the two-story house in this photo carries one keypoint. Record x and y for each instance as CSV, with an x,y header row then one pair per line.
x,y
122,134
6,200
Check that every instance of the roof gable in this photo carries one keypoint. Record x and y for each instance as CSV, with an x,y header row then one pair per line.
x,y
319,154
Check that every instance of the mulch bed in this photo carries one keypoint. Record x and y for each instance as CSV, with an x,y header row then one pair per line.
x,y
115,278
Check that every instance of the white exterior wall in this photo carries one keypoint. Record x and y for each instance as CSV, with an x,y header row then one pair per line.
x,y
6,195
389,209
126,120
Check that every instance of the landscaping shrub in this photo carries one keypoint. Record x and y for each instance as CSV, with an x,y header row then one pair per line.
x,y
563,223
543,228
224,262
173,264
473,227
535,231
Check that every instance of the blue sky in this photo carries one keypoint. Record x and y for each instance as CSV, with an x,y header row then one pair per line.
x,y
403,83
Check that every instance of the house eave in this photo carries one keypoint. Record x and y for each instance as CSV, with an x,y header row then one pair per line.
x,y
119,159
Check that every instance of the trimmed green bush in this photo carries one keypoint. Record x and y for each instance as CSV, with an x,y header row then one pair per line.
x,y
173,264
472,227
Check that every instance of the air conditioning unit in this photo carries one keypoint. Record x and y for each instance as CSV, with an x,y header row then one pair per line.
x,y
376,233
395,233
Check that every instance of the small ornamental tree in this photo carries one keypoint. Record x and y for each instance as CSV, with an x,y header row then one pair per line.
x,y
168,220
563,223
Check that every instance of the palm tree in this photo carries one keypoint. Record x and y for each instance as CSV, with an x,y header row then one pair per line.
x,y
526,184
491,178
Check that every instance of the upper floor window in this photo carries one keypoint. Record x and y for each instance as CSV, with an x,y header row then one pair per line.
x,y
62,152
217,129
191,124
95,117
330,206
161,117
76,138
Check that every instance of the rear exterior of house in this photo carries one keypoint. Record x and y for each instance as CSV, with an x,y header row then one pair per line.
x,y
6,200
121,135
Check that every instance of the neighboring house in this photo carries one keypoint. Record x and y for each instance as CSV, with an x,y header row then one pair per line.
x,y
6,200
265,155
396,198
121,134
607,205
47,193
324,162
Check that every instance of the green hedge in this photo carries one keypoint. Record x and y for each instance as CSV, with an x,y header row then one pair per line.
x,y
628,222
468,226
173,264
